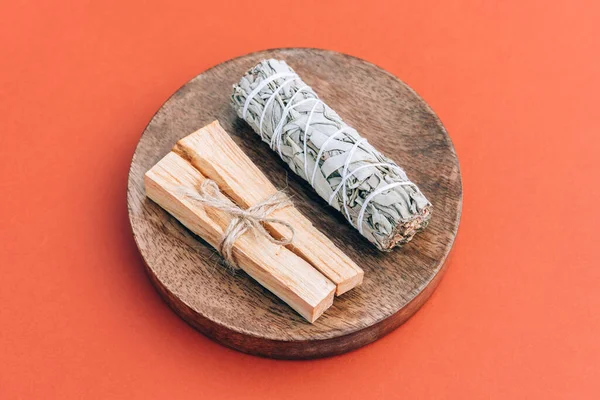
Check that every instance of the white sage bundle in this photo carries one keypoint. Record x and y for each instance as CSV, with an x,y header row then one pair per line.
x,y
372,191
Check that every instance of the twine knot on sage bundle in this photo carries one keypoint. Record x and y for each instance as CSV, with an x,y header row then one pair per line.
x,y
251,219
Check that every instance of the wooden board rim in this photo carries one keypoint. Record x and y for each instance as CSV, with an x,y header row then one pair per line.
x,y
358,336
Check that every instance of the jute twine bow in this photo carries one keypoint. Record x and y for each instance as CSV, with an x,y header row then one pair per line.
x,y
251,219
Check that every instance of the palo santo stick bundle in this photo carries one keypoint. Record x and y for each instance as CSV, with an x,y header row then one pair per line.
x,y
212,151
372,191
275,267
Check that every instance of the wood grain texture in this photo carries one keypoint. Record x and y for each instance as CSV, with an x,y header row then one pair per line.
x,y
212,151
275,267
234,310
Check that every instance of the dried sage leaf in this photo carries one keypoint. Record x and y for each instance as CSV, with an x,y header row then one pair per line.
x,y
372,191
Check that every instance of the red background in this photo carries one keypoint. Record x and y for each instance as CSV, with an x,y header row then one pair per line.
x,y
515,83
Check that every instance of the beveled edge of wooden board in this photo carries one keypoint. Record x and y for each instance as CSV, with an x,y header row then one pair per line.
x,y
297,349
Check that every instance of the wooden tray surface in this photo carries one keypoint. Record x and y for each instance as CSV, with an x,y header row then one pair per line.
x,y
236,311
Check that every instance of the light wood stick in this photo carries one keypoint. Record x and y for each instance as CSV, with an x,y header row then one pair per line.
x,y
212,151
276,268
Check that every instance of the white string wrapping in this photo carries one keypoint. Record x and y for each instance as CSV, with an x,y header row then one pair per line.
x,y
276,138
275,101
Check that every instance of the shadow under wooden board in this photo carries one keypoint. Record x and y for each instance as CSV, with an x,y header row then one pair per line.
x,y
236,311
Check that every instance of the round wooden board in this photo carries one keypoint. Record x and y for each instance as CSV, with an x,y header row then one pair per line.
x,y
236,311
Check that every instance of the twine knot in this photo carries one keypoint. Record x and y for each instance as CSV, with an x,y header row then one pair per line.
x,y
252,219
